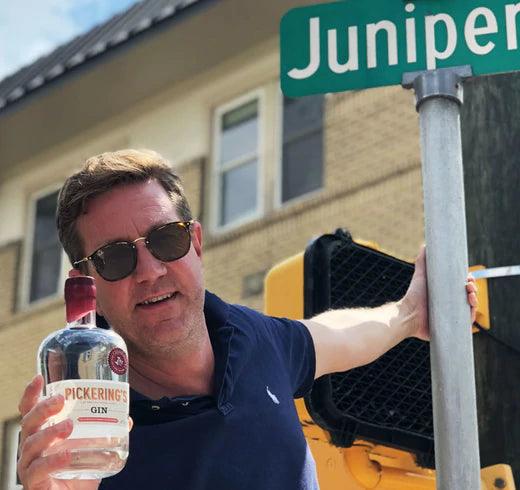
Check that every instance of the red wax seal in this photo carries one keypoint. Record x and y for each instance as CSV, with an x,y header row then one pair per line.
x,y
118,361
80,297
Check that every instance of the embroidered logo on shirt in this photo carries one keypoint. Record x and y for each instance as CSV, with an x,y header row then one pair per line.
x,y
272,396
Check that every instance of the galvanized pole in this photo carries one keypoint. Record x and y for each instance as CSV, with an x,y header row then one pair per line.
x,y
439,96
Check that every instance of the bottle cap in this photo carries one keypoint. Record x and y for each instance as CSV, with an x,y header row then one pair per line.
x,y
80,297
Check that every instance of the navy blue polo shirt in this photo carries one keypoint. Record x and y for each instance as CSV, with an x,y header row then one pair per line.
x,y
247,435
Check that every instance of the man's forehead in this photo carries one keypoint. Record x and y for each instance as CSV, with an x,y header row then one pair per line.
x,y
123,212
132,196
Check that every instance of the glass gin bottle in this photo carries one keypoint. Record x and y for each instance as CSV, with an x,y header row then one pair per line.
x,y
89,367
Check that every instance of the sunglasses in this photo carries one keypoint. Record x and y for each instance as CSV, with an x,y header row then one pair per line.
x,y
118,260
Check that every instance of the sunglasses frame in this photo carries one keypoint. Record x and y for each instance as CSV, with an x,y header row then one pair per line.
x,y
185,224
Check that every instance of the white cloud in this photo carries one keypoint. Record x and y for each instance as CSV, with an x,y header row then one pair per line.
x,y
33,28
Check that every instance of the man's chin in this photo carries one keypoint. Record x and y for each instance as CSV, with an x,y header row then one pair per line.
x,y
164,336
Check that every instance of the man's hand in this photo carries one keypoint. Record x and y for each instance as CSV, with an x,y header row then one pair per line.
x,y
33,466
415,302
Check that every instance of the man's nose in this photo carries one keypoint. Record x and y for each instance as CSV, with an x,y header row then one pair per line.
x,y
148,267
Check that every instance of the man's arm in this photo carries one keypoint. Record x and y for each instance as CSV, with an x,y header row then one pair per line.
x,y
349,338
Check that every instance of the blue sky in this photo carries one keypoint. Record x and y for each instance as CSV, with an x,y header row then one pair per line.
x,y
32,28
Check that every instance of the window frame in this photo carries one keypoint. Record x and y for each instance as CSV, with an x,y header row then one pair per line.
x,y
278,203
26,273
10,451
216,172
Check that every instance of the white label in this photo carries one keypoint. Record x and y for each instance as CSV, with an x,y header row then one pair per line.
x,y
98,408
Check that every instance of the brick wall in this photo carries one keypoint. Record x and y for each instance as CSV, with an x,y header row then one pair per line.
x,y
191,175
369,135
20,340
9,267
389,213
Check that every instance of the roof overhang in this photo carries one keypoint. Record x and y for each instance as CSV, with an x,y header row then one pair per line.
x,y
171,53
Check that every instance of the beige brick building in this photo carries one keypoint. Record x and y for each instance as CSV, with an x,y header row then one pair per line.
x,y
180,93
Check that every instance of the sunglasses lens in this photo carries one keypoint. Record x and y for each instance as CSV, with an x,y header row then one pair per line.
x,y
115,261
170,242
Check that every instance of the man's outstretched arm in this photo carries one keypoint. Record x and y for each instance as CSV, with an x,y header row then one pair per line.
x,y
349,338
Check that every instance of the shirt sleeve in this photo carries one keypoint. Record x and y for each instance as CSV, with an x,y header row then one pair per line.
x,y
295,347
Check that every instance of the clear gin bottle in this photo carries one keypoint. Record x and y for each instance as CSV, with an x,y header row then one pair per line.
x,y
89,367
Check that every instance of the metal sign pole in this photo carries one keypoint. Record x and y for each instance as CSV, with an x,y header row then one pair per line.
x,y
439,96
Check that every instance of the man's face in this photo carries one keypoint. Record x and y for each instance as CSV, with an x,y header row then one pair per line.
x,y
166,328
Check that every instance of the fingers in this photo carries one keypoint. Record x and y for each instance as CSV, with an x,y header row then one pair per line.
x,y
38,415
471,292
33,440
471,287
35,444
32,467
420,261
39,470
473,300
74,273
471,283
31,395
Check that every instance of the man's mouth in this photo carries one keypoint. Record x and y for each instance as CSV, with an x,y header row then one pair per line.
x,y
156,300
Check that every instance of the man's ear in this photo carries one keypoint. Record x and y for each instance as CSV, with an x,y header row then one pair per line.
x,y
196,237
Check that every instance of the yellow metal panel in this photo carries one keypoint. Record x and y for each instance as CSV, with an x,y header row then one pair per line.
x,y
284,289
483,300
333,472
497,476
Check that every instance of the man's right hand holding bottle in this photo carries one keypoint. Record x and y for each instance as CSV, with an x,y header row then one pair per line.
x,y
33,466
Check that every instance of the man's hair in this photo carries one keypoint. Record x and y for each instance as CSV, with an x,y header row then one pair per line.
x,y
103,173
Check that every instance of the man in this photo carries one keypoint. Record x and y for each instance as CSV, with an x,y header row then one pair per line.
x,y
212,383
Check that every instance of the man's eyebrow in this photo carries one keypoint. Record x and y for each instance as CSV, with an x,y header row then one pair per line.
x,y
110,242
128,240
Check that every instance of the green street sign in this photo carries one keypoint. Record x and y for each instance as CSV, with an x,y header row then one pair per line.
x,y
354,44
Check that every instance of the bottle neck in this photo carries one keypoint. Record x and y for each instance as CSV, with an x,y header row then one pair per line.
x,y
86,321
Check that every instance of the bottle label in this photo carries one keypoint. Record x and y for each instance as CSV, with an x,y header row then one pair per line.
x,y
98,408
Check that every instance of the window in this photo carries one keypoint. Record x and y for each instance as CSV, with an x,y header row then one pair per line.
x,y
11,435
236,166
44,255
302,146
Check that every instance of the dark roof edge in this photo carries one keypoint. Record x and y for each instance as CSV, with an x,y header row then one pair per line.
x,y
24,91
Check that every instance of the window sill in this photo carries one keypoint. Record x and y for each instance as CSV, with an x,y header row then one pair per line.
x,y
245,220
299,200
285,212
32,309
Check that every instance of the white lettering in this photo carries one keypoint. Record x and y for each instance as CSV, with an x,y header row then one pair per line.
x,y
432,54
314,52
352,63
391,32
471,31
511,11
411,48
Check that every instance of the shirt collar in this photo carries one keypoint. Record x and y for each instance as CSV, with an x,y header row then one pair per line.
x,y
221,333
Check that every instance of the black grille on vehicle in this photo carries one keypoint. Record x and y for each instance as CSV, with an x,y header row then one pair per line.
x,y
389,401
